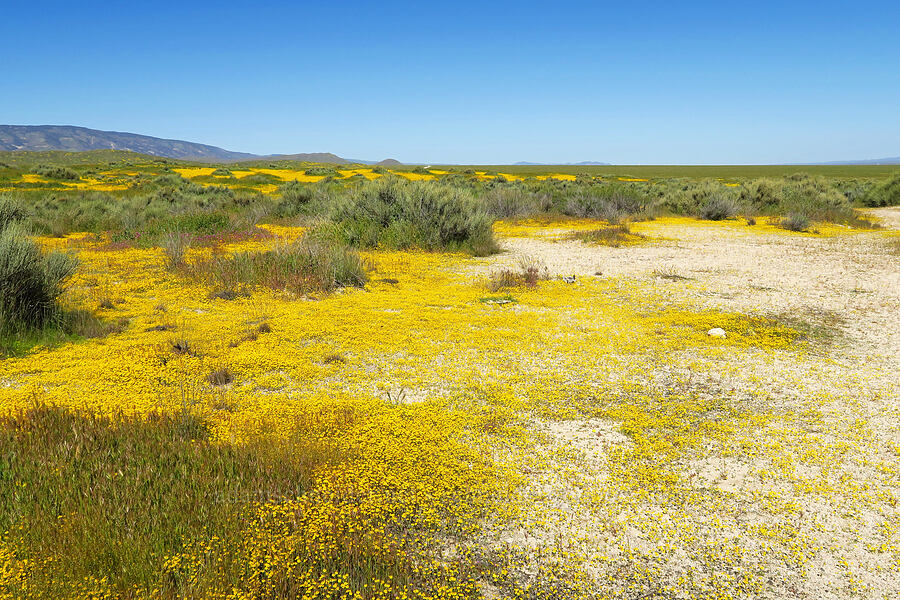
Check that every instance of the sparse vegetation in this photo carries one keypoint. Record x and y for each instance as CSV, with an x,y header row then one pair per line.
x,y
322,172
530,272
55,172
304,267
614,235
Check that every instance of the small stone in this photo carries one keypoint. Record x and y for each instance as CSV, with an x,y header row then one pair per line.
x,y
717,332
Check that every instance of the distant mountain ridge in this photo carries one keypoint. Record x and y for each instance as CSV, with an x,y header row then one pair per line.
x,y
69,138
78,139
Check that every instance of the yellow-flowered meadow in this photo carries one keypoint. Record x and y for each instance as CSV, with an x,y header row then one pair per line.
x,y
580,438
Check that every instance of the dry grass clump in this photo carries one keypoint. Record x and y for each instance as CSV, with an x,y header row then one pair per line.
x,y
252,335
894,245
175,247
182,346
530,272
220,376
614,236
334,357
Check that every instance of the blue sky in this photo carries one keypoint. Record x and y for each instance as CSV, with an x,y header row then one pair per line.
x,y
489,82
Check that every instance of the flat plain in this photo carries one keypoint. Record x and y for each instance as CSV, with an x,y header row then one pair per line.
x,y
548,419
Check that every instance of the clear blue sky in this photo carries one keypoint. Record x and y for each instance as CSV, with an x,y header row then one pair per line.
x,y
487,82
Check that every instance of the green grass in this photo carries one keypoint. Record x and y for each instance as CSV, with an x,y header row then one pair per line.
x,y
112,496
304,267
66,326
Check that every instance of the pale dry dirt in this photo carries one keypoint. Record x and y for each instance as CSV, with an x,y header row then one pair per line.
x,y
844,391
849,284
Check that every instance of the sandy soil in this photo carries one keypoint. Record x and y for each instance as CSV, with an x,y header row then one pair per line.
x,y
846,290
848,283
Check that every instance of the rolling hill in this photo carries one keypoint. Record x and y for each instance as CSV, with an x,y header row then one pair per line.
x,y
68,138
37,138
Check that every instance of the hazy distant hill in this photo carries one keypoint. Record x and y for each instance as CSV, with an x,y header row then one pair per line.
x,y
68,138
578,164
874,161
78,139
315,157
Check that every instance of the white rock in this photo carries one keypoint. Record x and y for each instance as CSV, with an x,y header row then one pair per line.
x,y
717,332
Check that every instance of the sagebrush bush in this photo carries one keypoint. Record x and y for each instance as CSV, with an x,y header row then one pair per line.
x,y
10,210
31,281
704,199
817,198
512,202
303,198
794,221
611,202
55,172
322,171
718,208
394,213
884,194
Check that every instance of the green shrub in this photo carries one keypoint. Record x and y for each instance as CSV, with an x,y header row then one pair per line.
x,y
794,221
614,236
611,202
395,213
816,197
303,198
511,202
322,172
222,172
699,197
260,179
718,208
55,172
31,281
885,194
10,211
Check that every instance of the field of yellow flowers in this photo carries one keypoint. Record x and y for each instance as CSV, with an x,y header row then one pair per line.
x,y
581,437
